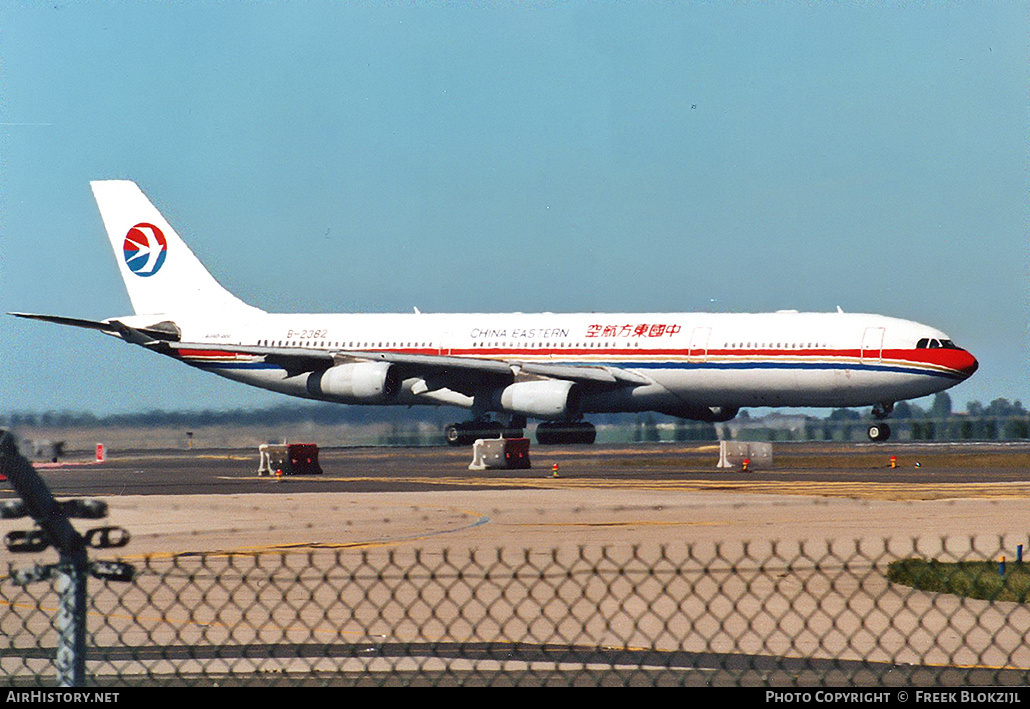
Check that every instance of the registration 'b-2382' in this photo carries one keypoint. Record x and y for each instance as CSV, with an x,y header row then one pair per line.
x,y
507,368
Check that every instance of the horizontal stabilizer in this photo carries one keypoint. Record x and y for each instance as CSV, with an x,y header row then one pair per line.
x,y
158,332
73,322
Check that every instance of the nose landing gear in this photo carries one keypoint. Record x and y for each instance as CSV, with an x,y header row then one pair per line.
x,y
880,431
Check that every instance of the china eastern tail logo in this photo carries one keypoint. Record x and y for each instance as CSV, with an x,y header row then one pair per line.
x,y
145,249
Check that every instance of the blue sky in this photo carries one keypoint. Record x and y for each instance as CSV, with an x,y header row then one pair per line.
x,y
594,156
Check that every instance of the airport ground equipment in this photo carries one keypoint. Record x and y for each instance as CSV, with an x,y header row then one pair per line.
x,y
53,528
289,459
509,453
44,449
732,454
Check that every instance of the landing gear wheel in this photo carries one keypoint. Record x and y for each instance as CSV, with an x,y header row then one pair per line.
x,y
453,435
466,433
879,432
568,432
584,433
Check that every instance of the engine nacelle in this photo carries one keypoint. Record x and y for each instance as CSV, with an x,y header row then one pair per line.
x,y
544,398
356,381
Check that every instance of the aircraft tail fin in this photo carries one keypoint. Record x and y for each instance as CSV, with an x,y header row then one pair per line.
x,y
160,272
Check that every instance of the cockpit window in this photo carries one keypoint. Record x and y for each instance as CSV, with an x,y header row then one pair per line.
x,y
932,344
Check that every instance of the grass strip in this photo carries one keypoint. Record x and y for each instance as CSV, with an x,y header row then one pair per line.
x,y
983,580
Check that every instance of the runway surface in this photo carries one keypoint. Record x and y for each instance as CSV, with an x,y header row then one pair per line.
x,y
931,468
213,500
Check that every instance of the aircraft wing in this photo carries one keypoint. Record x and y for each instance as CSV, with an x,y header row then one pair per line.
x,y
462,374
456,370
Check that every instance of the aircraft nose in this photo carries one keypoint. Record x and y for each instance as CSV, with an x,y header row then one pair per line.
x,y
968,364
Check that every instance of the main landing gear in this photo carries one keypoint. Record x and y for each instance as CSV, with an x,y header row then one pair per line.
x,y
467,432
568,432
547,432
880,431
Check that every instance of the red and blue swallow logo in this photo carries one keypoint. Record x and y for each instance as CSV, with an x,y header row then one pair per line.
x,y
145,249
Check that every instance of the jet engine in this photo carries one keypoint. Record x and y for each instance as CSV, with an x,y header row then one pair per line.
x,y
367,382
543,398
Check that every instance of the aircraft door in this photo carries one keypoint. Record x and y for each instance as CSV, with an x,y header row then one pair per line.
x,y
699,342
872,344
444,345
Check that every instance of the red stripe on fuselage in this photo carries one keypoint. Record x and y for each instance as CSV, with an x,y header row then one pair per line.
x,y
213,354
954,359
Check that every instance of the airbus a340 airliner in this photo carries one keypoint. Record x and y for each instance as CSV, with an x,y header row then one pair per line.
x,y
509,367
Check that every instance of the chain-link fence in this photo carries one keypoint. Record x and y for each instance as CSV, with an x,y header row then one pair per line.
x,y
762,613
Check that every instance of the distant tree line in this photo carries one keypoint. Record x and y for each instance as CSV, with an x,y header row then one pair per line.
x,y
998,420
317,413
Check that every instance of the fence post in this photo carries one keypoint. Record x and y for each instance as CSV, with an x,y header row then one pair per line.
x,y
71,624
73,567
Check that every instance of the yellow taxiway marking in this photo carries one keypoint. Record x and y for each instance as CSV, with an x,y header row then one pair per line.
x,y
846,489
631,523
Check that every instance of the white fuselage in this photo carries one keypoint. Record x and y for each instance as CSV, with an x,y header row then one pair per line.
x,y
692,359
